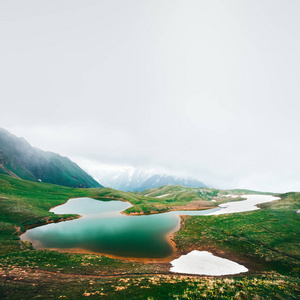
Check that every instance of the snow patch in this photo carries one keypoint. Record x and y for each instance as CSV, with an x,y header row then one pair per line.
x,y
205,263
163,195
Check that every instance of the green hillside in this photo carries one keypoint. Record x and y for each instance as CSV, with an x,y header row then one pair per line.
x,y
18,159
177,192
176,197
25,202
266,241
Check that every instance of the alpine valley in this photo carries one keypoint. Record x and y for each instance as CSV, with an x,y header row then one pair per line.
x,y
63,235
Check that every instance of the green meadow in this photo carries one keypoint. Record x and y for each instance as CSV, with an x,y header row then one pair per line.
x,y
266,241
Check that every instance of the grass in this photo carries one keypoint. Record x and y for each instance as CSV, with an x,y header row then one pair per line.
x,y
266,241
42,286
180,197
268,237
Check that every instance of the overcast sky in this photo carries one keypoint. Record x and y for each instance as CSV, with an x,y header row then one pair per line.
x,y
209,89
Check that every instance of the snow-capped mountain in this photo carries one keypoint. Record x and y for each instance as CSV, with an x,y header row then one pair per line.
x,y
125,180
159,180
137,180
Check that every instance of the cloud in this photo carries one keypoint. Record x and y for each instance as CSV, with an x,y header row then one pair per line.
x,y
209,90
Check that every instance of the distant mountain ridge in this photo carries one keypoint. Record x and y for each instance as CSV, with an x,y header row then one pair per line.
x,y
157,180
19,159
138,180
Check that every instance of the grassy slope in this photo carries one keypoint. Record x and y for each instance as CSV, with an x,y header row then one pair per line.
x,y
185,193
268,237
56,169
179,196
23,202
20,160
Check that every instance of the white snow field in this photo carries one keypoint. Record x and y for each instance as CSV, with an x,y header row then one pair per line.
x,y
205,263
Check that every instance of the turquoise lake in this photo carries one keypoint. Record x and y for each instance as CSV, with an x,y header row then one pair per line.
x,y
103,229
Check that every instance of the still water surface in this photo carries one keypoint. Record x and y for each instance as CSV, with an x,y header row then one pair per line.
x,y
103,229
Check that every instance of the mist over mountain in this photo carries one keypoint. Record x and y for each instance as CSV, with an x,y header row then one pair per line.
x,y
139,180
18,159
160,180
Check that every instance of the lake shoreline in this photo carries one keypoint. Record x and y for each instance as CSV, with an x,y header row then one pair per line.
x,y
180,208
169,237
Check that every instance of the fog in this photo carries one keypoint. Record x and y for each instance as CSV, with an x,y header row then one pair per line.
x,y
208,89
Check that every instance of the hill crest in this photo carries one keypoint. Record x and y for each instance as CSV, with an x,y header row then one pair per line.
x,y
20,160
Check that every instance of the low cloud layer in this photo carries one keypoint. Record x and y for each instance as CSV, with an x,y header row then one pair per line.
x,y
203,89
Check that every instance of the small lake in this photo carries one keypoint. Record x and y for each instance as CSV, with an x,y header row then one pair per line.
x,y
103,229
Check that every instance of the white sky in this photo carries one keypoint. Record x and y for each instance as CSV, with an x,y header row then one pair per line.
x,y
208,89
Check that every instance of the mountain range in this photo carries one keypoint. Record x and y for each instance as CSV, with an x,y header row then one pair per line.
x,y
20,160
139,180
